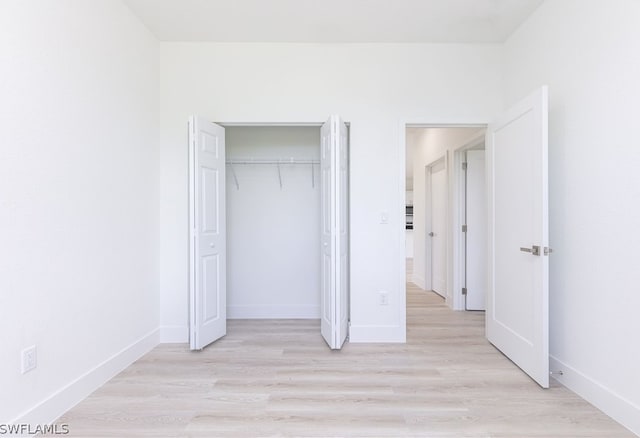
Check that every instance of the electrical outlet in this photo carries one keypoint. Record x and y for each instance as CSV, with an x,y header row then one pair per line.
x,y
384,298
29,359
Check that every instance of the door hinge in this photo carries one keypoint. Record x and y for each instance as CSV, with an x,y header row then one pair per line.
x,y
464,228
547,250
464,291
464,166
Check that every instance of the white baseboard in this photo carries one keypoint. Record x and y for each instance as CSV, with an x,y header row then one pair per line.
x,y
617,407
419,281
54,406
377,333
174,334
273,312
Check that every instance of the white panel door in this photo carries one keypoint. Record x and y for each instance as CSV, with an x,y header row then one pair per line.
x,y
517,316
342,232
438,234
334,233
207,243
476,236
327,273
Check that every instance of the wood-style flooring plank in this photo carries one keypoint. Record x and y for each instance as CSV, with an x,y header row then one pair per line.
x,y
277,378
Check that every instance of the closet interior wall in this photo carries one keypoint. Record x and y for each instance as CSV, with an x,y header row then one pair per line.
x,y
273,222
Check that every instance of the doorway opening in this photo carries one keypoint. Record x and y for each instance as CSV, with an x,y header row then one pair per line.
x,y
269,226
273,218
443,193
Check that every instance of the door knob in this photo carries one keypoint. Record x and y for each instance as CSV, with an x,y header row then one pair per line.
x,y
431,234
212,245
534,250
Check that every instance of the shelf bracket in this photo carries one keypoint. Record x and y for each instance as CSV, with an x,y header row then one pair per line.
x,y
235,177
279,175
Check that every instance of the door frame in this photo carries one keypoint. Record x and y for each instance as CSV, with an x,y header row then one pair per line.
x,y
428,222
401,266
258,124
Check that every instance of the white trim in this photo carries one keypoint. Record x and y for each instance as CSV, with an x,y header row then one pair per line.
x,y
401,250
614,405
273,312
273,124
65,398
377,333
192,230
174,334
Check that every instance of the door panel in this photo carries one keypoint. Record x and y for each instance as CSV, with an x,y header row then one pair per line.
x,y
342,203
335,232
439,228
518,287
207,252
476,236
326,241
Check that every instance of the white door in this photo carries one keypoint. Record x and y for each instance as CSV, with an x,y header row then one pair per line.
x,y
334,232
207,243
517,316
438,234
476,234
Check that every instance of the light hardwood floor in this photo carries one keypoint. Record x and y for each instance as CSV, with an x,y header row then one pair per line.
x,y
278,378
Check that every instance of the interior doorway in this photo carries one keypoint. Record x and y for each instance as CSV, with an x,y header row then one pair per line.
x,y
437,260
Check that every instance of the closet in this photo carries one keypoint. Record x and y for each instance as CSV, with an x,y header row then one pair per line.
x,y
269,226
273,222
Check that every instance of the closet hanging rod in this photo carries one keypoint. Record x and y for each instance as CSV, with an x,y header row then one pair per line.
x,y
271,161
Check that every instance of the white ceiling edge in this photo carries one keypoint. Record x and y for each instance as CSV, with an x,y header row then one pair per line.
x,y
333,21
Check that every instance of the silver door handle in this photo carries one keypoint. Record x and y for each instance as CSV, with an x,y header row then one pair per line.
x,y
212,245
431,234
534,250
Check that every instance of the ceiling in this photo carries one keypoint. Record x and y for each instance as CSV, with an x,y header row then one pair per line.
x,y
334,21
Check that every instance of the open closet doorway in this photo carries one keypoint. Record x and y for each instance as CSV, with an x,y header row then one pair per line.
x,y
269,226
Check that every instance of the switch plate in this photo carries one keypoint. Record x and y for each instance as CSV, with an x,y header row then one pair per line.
x,y
384,298
29,359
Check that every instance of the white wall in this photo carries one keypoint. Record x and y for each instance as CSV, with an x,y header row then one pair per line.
x,y
273,239
79,199
587,52
429,145
374,87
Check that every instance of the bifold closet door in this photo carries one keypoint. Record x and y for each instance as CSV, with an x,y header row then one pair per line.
x,y
207,240
334,234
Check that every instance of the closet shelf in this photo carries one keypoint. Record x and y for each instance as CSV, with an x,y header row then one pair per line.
x,y
272,161
282,161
